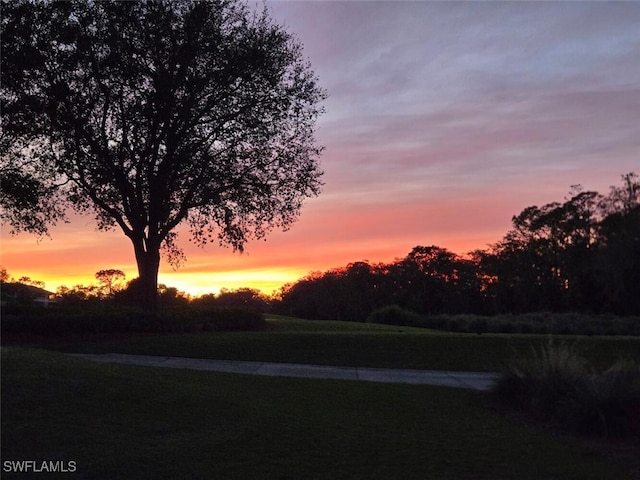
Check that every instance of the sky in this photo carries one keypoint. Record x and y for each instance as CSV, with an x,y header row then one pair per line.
x,y
443,120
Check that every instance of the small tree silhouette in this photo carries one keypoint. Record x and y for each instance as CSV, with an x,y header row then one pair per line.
x,y
110,280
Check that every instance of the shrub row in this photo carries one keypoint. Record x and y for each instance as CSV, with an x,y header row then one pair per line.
x,y
538,323
66,321
557,385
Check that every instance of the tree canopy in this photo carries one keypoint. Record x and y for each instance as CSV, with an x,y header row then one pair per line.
x,y
151,115
578,255
111,279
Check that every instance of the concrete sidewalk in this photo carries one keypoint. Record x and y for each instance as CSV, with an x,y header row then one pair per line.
x,y
470,380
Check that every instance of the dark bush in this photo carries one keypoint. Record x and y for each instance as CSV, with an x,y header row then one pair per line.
x,y
557,385
108,319
530,323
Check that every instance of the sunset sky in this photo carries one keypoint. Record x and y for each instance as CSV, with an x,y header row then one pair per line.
x,y
444,119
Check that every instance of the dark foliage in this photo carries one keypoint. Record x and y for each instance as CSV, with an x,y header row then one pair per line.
x,y
581,255
556,385
52,322
240,298
149,115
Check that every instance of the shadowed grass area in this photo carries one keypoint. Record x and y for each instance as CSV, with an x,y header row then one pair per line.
x,y
144,423
358,345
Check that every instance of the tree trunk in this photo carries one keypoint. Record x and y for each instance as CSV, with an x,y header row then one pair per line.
x,y
148,261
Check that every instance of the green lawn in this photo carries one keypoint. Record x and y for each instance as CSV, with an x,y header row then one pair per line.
x,y
360,345
142,423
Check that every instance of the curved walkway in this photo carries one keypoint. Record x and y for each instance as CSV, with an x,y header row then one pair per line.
x,y
470,380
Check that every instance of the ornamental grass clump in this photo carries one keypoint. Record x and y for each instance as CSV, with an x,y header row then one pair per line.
x,y
556,385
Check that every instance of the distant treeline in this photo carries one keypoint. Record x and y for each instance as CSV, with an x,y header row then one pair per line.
x,y
579,255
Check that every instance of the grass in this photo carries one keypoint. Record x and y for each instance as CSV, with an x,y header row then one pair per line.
x,y
358,345
119,421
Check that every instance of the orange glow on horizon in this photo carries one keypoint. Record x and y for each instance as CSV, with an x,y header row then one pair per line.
x,y
325,237
431,136
198,276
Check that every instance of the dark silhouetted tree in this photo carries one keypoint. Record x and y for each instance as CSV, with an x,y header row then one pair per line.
x,y
111,279
618,253
171,296
623,199
78,295
580,255
242,297
528,262
152,115
27,194
28,281
439,281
